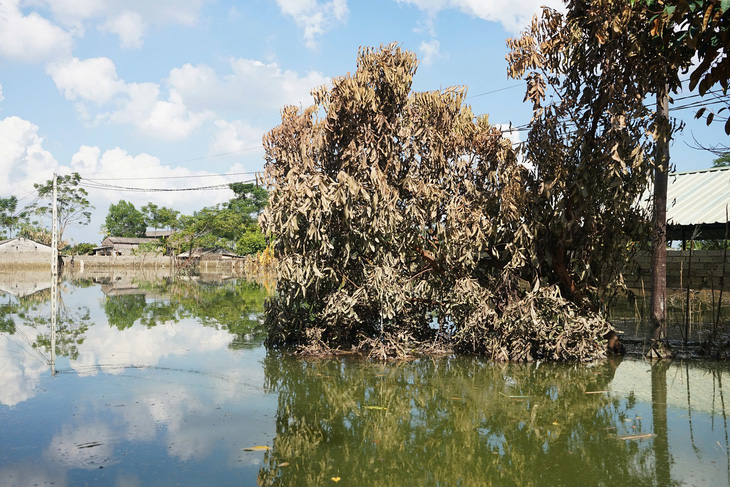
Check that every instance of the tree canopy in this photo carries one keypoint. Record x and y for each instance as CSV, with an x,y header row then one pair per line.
x,y
231,225
124,220
158,217
9,218
72,201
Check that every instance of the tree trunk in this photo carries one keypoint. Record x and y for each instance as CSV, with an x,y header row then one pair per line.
x,y
659,347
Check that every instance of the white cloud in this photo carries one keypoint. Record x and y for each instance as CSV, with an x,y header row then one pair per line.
x,y
127,19
514,15
95,80
313,17
118,163
30,38
19,372
92,79
235,136
129,26
251,86
23,160
429,51
1,93
194,95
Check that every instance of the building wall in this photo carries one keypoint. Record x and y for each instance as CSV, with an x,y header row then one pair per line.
x,y
81,262
705,272
26,252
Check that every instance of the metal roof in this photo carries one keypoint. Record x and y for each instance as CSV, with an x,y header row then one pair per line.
x,y
698,197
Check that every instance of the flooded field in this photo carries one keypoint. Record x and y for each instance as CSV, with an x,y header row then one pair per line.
x,y
157,381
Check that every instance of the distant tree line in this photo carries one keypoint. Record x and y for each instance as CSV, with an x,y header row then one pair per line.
x,y
231,225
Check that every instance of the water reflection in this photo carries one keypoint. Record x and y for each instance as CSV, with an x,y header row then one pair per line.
x,y
167,313
460,421
166,382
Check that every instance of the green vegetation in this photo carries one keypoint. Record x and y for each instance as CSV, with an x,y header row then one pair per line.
x,y
232,225
722,161
80,249
72,202
124,220
160,217
9,220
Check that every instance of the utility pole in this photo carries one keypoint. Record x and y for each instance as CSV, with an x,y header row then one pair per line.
x,y
54,277
659,346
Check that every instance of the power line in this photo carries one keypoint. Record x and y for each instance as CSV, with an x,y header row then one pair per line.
x,y
246,173
495,91
111,187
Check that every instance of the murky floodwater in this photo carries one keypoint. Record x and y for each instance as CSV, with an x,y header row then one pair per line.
x,y
166,383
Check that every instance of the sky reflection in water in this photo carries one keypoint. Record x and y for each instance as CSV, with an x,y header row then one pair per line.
x,y
166,383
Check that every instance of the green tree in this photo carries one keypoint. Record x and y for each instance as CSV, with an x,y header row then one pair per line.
x,y
250,199
9,218
73,205
34,231
124,220
722,161
231,225
158,217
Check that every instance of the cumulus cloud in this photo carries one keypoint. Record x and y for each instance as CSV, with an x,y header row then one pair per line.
x,y
22,156
118,163
128,20
313,17
514,16
235,136
187,99
429,51
30,38
251,86
92,79
129,26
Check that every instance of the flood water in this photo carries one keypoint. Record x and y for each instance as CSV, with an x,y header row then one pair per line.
x,y
165,382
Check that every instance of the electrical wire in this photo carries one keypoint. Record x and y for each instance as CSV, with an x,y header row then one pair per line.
x,y
111,187
495,91
246,173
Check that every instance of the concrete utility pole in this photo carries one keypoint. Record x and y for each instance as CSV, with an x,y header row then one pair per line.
x,y
54,277
659,347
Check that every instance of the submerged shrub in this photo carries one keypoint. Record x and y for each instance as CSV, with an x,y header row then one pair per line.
x,y
401,221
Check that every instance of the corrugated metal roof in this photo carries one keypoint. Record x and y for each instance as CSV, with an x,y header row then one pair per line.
x,y
696,197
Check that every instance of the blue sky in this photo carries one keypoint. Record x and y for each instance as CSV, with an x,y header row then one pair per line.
x,y
176,89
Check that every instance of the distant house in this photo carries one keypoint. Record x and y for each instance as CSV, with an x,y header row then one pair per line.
x,y
210,253
121,245
24,251
158,233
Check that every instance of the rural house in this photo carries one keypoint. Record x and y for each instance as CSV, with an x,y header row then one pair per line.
x,y
121,245
24,251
